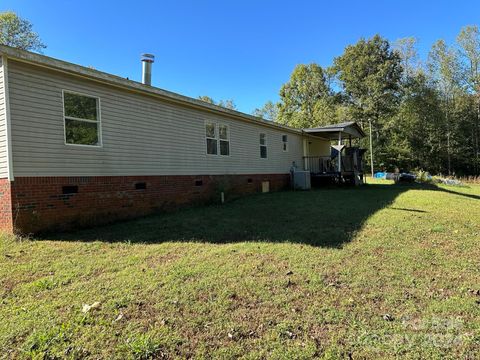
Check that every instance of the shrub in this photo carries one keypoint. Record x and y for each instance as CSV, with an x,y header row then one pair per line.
x,y
424,177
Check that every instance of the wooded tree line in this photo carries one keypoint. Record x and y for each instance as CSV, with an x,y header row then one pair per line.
x,y
425,113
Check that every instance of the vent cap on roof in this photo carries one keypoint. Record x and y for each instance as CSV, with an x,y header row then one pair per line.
x,y
147,61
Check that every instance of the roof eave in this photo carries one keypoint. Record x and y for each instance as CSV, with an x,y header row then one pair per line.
x,y
117,81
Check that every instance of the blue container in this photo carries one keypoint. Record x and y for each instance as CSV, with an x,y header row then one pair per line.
x,y
380,175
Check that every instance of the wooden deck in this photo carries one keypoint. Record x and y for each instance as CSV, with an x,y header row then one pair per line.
x,y
325,170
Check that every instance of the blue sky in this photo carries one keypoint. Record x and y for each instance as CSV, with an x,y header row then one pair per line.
x,y
243,50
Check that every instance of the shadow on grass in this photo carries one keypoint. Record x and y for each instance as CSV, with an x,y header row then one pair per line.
x,y
324,217
449,191
405,209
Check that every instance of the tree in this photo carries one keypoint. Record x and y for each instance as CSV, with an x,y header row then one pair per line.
x,y
229,104
469,41
445,70
369,73
407,51
416,130
269,111
306,100
206,99
18,32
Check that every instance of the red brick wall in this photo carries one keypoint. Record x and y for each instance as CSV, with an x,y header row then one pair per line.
x,y
39,203
6,221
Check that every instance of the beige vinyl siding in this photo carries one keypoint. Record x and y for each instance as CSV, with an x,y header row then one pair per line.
x,y
319,148
3,124
141,135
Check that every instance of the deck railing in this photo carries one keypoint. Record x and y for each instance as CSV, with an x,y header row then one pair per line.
x,y
320,164
327,164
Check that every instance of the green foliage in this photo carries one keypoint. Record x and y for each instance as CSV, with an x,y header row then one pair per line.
x,y
269,111
17,32
423,177
45,284
229,104
407,51
306,100
422,116
206,99
370,73
469,41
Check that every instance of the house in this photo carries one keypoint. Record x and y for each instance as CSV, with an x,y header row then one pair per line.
x,y
79,146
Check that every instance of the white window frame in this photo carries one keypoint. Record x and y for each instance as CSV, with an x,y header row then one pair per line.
x,y
217,138
227,139
265,144
215,130
98,122
285,143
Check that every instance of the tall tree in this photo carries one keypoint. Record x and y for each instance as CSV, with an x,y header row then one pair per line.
x,y
18,32
406,48
306,100
269,111
469,41
370,73
445,69
416,130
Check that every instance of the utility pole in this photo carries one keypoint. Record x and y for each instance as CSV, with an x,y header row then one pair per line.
x,y
371,146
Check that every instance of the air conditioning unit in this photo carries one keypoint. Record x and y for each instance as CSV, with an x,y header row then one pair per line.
x,y
301,180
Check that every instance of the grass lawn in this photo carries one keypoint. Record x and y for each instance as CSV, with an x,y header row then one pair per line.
x,y
380,271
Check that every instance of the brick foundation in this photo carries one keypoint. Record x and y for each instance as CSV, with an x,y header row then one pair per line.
x,y
6,218
38,204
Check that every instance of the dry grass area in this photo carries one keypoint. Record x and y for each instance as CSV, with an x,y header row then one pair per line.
x,y
381,271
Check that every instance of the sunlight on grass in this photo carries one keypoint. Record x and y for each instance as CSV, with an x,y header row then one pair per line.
x,y
379,271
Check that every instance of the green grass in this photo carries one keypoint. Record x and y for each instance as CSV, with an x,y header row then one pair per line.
x,y
381,271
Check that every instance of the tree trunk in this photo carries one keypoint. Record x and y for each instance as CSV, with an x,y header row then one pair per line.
x,y
475,138
449,160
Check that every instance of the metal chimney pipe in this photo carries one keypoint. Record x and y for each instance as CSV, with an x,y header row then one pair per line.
x,y
147,61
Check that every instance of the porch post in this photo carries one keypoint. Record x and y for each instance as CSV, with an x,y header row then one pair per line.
x,y
340,152
305,154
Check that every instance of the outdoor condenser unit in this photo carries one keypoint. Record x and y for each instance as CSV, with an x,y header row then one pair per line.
x,y
301,180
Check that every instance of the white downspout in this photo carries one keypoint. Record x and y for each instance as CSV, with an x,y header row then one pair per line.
x,y
8,124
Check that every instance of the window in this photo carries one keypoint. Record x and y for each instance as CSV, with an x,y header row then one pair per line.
x,y
263,146
211,135
285,143
218,139
224,140
82,119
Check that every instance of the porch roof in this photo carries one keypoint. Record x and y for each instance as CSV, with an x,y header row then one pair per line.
x,y
349,129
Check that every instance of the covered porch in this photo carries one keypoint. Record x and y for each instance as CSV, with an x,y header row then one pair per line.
x,y
340,162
